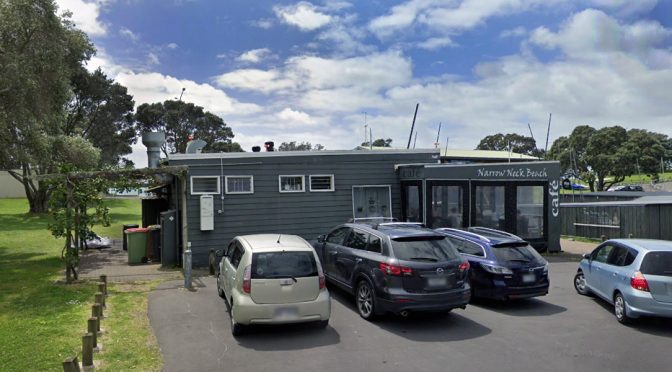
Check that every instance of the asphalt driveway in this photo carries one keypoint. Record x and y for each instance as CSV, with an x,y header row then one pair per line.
x,y
560,332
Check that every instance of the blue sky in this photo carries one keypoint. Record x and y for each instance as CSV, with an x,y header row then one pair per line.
x,y
308,71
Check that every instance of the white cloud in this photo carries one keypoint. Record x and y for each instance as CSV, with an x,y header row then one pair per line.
x,y
515,32
153,59
294,117
262,23
129,34
435,43
255,80
303,15
85,15
625,7
593,34
172,46
254,55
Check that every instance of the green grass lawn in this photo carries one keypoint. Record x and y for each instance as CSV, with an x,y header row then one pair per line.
x,y
42,320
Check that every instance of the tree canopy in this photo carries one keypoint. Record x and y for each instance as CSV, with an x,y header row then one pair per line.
x,y
183,120
303,146
380,142
511,141
604,157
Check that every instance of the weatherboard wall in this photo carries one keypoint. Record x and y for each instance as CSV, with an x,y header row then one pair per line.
x,y
267,210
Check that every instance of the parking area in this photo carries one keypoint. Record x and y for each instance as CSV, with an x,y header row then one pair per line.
x,y
559,332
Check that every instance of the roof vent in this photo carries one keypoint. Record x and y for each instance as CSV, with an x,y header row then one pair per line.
x,y
195,146
153,141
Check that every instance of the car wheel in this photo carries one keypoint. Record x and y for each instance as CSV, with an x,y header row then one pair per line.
x,y
323,323
620,309
220,291
236,328
365,299
580,284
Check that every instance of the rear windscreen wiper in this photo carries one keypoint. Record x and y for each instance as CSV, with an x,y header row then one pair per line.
x,y
431,259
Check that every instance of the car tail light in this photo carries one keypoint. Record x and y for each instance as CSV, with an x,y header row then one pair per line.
x,y
323,283
464,266
638,281
247,279
390,268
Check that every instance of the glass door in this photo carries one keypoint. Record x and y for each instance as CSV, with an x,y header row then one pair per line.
x,y
411,201
447,204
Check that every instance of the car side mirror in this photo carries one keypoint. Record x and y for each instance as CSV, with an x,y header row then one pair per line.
x,y
586,256
219,253
321,238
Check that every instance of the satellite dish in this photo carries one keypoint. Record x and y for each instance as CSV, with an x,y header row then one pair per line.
x,y
195,146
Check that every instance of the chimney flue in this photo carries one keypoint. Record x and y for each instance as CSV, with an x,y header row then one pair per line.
x,y
153,141
256,148
269,146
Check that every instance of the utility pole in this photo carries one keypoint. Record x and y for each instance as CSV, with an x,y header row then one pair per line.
x,y
415,140
410,135
438,133
548,131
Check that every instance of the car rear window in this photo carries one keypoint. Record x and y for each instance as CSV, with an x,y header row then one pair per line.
x,y
426,248
270,265
657,263
516,252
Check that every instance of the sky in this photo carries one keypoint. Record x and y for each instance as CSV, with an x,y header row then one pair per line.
x,y
320,71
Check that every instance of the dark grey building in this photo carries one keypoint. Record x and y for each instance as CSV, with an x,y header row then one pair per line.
x,y
521,198
304,193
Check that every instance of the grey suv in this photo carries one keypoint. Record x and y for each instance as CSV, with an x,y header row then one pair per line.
x,y
393,267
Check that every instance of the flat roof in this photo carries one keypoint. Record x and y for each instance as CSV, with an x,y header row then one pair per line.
x,y
484,154
645,200
481,165
237,155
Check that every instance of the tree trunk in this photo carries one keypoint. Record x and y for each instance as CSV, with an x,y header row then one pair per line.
x,y
38,201
38,197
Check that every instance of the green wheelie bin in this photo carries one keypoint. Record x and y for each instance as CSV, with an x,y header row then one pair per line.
x,y
137,244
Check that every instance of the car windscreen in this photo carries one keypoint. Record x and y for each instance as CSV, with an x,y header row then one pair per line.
x,y
657,263
516,252
424,248
285,264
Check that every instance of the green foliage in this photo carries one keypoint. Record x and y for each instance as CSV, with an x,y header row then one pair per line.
x,y
180,121
511,141
102,112
293,146
380,142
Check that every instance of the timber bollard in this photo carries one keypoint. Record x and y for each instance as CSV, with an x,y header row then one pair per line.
x,y
71,364
87,350
102,289
103,279
100,299
186,265
97,310
92,324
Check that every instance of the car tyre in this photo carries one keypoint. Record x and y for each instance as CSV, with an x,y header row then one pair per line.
x,y
580,284
365,299
237,329
220,291
620,309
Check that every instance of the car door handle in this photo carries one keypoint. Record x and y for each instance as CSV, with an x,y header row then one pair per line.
x,y
358,260
333,253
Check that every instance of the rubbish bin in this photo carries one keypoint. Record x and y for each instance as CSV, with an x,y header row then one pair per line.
x,y
154,243
123,230
137,244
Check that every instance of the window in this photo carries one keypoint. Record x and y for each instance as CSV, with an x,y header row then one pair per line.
x,y
447,206
430,249
530,211
601,254
337,236
204,185
657,263
270,265
236,256
489,207
357,240
291,183
321,182
239,184
375,244
371,201
466,247
617,256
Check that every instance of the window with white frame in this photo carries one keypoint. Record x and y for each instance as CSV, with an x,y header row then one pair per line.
x,y
239,184
205,185
321,182
291,183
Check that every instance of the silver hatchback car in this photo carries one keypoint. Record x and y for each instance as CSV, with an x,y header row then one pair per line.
x,y
635,275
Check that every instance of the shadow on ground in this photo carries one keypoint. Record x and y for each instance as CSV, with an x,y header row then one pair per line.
x,y
522,307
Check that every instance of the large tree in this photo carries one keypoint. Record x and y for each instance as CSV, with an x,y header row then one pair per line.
x,y
102,112
649,150
511,141
293,146
380,142
181,121
40,53
609,156
571,152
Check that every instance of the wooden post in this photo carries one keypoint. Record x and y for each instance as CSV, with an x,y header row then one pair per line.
x,y
87,350
101,288
103,279
97,310
100,299
71,364
92,324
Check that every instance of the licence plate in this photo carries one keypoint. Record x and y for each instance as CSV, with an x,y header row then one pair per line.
x,y
529,278
286,312
437,282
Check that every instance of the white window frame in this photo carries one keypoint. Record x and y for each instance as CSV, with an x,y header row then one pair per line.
x,y
191,185
226,185
389,190
303,183
331,176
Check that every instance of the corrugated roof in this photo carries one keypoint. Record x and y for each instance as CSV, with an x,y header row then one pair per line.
x,y
484,154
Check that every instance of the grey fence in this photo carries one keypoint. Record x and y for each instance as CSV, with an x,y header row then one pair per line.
x,y
652,221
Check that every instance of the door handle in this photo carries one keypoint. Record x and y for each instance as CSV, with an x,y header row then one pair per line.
x,y
333,252
358,260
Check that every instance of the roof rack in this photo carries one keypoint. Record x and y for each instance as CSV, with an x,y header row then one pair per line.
x,y
495,232
464,232
400,224
368,219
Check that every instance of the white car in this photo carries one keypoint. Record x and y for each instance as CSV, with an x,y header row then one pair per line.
x,y
272,279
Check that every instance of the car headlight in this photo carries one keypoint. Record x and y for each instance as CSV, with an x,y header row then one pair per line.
x,y
546,269
493,269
